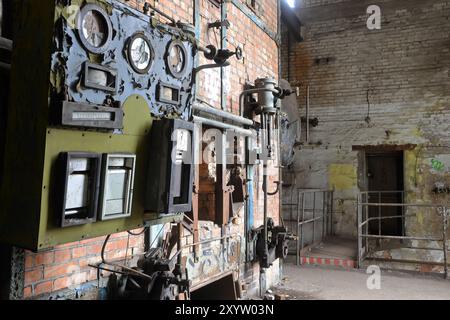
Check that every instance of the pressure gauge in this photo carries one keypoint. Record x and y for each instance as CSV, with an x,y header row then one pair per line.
x,y
94,28
177,58
140,53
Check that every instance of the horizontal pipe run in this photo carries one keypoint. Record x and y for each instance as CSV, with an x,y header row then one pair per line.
x,y
222,125
223,114
6,44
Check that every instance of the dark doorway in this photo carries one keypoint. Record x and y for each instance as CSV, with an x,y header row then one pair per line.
x,y
385,183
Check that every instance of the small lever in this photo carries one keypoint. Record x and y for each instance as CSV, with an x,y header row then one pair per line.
x,y
219,24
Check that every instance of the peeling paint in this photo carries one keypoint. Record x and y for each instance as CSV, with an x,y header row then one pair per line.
x,y
342,176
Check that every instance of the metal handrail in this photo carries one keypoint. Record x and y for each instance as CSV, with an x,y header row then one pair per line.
x,y
443,211
321,210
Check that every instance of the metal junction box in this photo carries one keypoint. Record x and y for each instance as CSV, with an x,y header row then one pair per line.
x,y
88,78
173,170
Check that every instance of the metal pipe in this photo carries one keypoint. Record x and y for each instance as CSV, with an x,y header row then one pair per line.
x,y
161,13
266,203
444,240
298,230
252,91
6,44
223,114
307,114
223,45
222,125
303,219
359,231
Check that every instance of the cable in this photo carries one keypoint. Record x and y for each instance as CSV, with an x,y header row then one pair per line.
x,y
138,234
103,248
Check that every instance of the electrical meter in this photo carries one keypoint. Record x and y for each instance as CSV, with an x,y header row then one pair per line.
x,y
117,185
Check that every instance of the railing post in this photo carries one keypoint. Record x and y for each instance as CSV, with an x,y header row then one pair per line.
x,y
445,214
303,219
359,214
297,254
379,215
324,222
314,218
331,212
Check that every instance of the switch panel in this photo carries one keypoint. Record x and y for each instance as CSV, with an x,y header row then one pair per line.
x,y
170,174
117,186
100,75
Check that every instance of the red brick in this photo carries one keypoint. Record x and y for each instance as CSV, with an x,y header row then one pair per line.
x,y
61,283
63,256
44,258
94,249
78,252
43,287
92,276
29,261
61,270
33,276
27,292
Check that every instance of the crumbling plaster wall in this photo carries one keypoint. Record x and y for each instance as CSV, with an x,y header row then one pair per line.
x,y
397,76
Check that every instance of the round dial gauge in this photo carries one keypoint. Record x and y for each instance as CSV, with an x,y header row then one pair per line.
x,y
94,28
176,59
140,53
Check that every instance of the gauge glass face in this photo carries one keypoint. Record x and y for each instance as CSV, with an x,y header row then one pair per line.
x,y
95,28
141,55
177,58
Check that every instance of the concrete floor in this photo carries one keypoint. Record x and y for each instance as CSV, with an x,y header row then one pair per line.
x,y
316,283
334,248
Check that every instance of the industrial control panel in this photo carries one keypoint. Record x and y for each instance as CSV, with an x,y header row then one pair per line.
x,y
87,87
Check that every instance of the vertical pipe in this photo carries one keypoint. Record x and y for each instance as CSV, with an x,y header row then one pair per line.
x,y
307,114
223,44
265,183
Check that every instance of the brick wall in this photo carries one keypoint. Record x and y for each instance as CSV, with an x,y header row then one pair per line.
x,y
67,266
398,76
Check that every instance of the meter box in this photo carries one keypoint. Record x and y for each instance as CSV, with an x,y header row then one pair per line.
x,y
85,90
117,185
171,166
80,182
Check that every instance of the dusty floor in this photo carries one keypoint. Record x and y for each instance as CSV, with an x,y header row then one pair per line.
x,y
316,283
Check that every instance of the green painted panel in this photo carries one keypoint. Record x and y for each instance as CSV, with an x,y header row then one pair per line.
x,y
134,140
